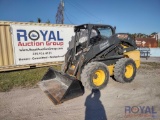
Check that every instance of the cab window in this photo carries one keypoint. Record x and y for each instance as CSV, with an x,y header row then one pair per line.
x,y
105,32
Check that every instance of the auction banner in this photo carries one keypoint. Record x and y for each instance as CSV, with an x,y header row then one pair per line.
x,y
40,44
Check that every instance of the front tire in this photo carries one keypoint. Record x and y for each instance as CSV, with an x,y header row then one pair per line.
x,y
95,75
125,70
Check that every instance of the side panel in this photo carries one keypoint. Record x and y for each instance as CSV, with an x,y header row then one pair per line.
x,y
135,55
111,69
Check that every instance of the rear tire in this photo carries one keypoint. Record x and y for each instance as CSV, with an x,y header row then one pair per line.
x,y
95,75
125,70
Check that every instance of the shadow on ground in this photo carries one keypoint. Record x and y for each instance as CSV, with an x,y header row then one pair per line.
x,y
94,107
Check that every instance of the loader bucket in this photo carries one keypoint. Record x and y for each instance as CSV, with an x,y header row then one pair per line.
x,y
60,87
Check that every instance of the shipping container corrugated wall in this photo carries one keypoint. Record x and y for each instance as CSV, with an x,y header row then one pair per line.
x,y
6,48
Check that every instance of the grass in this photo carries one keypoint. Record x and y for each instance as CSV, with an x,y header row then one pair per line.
x,y
30,77
22,78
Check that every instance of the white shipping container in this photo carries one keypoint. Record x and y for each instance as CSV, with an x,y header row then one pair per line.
x,y
33,44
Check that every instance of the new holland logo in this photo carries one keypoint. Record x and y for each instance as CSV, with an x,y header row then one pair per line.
x,y
104,45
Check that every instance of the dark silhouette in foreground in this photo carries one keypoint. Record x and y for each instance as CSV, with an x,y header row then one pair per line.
x,y
94,107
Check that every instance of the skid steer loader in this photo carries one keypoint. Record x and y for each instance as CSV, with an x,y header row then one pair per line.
x,y
95,53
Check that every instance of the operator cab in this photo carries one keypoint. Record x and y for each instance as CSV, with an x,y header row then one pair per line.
x,y
91,34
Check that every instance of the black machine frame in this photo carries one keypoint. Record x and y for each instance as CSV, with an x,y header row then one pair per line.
x,y
107,50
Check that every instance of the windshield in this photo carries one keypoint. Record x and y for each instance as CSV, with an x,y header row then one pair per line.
x,y
105,32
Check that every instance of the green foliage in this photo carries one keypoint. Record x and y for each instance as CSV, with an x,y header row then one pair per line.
x,y
22,78
153,33
48,21
39,20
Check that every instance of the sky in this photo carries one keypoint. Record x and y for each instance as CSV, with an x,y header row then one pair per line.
x,y
129,16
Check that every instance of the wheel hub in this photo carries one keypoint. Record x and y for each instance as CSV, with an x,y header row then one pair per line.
x,y
128,71
99,77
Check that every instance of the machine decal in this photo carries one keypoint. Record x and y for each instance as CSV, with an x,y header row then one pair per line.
x,y
102,46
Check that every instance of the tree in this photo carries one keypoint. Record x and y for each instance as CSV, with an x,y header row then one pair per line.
x,y
154,33
31,21
48,21
39,20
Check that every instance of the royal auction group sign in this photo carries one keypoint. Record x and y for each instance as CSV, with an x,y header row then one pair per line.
x,y
39,44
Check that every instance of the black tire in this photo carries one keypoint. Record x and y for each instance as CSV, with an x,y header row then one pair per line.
x,y
92,72
120,70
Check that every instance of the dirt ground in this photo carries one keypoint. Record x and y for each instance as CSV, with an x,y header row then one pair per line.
x,y
110,103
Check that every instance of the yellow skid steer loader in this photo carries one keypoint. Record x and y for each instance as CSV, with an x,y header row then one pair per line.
x,y
95,53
